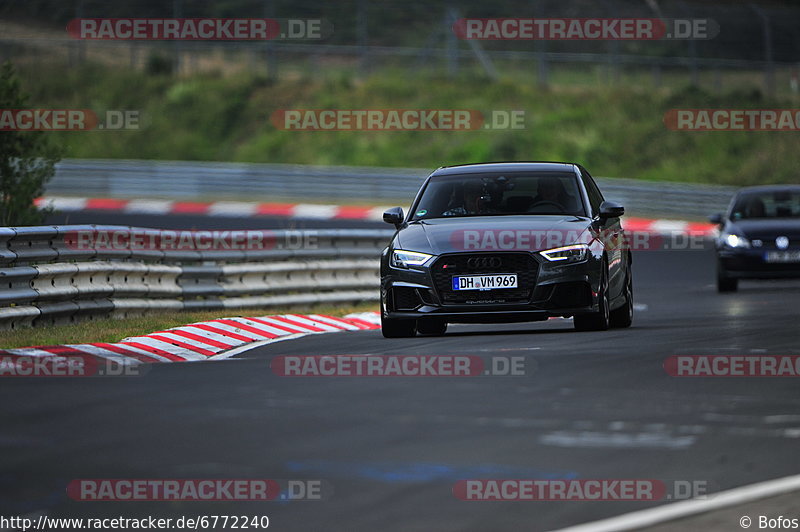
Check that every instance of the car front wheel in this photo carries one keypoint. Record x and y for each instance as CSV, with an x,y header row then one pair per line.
x,y
623,316
398,328
600,320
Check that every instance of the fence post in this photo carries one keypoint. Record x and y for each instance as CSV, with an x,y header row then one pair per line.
x,y
451,42
483,57
656,72
363,35
134,59
269,48
694,75
769,65
614,63
542,69
80,47
540,49
177,12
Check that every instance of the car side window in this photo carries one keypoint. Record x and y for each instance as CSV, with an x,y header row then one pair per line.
x,y
595,196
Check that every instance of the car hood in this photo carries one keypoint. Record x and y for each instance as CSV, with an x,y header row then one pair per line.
x,y
491,233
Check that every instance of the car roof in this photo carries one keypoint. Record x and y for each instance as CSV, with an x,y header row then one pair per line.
x,y
521,166
768,188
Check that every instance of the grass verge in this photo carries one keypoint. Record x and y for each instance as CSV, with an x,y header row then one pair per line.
x,y
113,330
613,131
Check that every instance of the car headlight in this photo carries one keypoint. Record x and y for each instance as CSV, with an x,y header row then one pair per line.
x,y
567,254
735,241
403,259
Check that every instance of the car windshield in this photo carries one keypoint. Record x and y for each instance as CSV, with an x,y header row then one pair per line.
x,y
500,194
767,204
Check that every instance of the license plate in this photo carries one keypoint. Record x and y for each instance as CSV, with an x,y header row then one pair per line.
x,y
782,256
485,282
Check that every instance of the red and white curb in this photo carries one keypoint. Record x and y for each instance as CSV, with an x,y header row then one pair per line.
x,y
306,211
217,208
208,340
668,227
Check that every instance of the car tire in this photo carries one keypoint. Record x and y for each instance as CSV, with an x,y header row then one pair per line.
x,y
725,283
431,327
398,328
623,316
600,320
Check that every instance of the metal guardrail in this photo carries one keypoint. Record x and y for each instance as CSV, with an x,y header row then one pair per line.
x,y
188,180
202,180
46,278
667,198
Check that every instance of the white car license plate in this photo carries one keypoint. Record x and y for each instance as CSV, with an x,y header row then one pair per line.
x,y
782,256
485,282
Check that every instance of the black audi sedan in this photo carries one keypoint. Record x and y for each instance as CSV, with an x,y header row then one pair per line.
x,y
759,236
506,242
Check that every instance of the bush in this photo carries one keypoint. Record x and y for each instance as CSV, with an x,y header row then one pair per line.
x,y
27,160
158,65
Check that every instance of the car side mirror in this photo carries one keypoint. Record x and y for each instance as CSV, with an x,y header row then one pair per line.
x,y
394,216
611,209
715,219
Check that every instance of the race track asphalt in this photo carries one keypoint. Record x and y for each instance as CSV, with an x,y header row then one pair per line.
x,y
595,405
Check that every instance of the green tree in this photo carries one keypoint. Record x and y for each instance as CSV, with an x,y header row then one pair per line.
x,y
27,160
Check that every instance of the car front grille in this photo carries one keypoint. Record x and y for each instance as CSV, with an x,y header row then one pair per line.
x,y
767,241
522,264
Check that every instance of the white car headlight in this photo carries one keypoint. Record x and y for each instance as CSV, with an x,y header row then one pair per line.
x,y
567,254
735,241
403,259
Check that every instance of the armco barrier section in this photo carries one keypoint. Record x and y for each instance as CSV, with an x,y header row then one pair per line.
x,y
185,181
47,279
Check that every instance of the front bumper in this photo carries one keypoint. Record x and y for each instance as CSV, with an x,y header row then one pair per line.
x,y
751,264
553,290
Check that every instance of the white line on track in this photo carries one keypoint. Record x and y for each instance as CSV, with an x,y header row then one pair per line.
x,y
678,510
